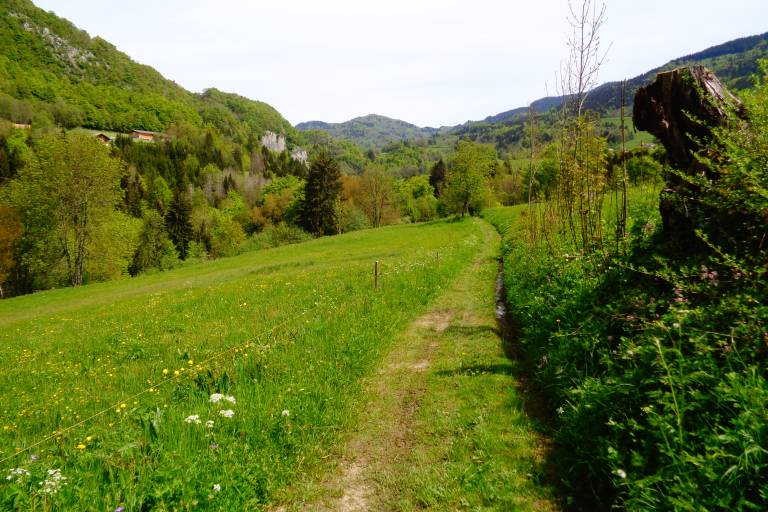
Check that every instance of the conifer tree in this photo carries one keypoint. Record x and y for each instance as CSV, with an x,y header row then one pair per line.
x,y
178,223
321,196
437,177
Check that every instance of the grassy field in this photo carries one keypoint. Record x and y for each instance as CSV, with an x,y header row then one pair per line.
x,y
445,424
112,384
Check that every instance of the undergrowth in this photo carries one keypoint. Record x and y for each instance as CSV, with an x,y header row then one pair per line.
x,y
653,361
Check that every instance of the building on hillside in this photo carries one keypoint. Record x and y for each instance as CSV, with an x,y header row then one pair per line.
x,y
144,135
273,142
22,126
104,139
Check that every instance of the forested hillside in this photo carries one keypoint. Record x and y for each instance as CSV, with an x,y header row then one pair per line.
x,y
371,131
53,73
735,62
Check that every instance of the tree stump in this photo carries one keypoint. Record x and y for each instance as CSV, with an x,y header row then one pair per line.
x,y
680,108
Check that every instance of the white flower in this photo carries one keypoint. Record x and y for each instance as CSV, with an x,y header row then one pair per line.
x,y
621,473
17,472
194,418
53,483
227,413
218,397
216,487
286,413
209,424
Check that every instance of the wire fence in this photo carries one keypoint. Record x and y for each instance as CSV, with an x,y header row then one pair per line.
x,y
380,271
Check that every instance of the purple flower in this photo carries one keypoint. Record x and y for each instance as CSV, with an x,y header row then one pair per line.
x,y
214,446
120,509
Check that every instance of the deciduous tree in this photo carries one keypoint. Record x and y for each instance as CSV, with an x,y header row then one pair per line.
x,y
467,179
377,196
64,194
10,233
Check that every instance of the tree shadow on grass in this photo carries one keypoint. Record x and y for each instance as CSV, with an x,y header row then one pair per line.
x,y
470,331
534,413
479,369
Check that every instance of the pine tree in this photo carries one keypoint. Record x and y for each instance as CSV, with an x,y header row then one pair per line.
x,y
321,195
178,223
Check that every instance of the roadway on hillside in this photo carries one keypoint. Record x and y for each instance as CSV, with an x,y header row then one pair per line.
x,y
445,427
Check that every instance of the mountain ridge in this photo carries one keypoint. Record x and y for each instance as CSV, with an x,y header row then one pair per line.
x,y
370,131
735,73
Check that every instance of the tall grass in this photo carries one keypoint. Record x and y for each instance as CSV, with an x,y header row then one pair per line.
x,y
652,363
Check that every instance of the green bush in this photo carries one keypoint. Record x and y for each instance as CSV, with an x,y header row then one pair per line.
x,y
275,236
654,364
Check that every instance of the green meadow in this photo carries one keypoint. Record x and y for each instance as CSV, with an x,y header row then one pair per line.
x,y
111,384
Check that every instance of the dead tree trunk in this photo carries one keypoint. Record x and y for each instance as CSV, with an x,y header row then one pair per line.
x,y
680,109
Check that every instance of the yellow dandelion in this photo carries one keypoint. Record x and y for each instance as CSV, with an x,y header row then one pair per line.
x,y
175,373
123,406
165,371
190,362
81,446
88,439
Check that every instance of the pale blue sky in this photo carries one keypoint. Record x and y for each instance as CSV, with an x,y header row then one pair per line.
x,y
429,62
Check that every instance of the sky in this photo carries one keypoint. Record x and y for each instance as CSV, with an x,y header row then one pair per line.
x,y
428,62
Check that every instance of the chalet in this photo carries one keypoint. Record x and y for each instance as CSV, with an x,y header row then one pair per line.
x,y
144,135
104,139
22,126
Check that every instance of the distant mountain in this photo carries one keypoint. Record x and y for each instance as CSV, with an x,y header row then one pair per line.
x,y
371,131
50,71
734,62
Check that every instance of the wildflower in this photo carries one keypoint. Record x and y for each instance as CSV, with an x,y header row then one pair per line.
x,y
53,483
193,418
165,371
88,439
175,373
123,406
216,487
286,413
218,397
227,413
81,446
209,424
190,362
214,446
19,473
120,509
33,457
621,473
